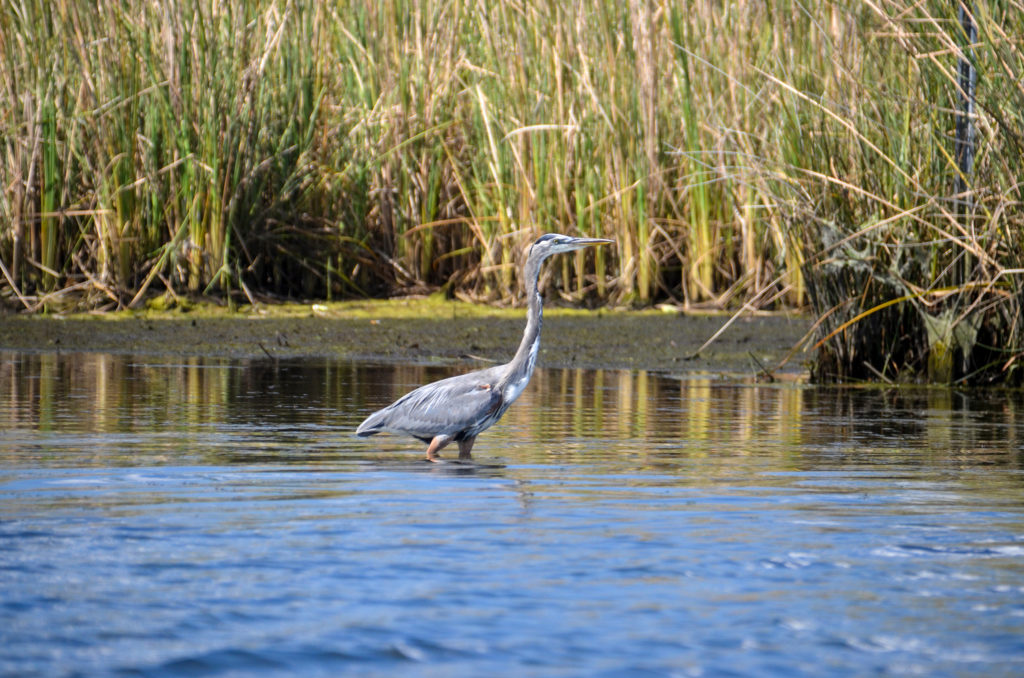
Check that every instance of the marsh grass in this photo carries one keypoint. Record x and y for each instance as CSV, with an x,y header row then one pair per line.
x,y
909,279
741,154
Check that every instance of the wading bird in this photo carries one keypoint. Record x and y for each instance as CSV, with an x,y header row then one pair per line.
x,y
460,408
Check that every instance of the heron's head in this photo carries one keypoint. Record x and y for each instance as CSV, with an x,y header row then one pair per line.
x,y
555,243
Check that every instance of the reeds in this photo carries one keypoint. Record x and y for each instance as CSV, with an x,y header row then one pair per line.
x,y
158,141
739,153
915,268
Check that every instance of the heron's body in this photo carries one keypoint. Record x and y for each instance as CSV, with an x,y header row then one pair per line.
x,y
460,408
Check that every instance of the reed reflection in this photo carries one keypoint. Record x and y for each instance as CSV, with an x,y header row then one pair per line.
x,y
564,411
638,404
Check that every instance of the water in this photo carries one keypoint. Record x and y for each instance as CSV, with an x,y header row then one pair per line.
x,y
169,517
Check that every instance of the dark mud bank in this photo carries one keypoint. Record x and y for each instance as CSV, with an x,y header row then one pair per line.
x,y
664,342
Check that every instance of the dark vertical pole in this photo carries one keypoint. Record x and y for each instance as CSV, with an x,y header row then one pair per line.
x,y
965,146
965,136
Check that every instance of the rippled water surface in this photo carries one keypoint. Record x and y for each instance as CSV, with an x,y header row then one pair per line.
x,y
174,518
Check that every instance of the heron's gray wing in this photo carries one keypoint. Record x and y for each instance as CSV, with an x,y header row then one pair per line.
x,y
444,407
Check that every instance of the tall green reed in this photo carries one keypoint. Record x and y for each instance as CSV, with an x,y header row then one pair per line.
x,y
177,127
421,142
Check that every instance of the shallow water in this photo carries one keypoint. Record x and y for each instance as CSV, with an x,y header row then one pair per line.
x,y
165,518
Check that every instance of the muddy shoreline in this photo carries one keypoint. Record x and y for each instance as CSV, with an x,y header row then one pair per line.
x,y
427,331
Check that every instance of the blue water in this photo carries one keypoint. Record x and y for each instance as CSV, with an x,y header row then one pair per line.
x,y
181,518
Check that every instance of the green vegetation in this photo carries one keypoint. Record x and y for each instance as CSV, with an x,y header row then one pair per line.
x,y
741,154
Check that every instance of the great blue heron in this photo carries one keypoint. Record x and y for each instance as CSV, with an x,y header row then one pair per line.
x,y
460,408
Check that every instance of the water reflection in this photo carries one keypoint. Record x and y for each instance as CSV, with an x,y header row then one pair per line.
x,y
220,517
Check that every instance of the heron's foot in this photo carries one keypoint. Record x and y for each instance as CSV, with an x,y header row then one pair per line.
x,y
435,446
450,462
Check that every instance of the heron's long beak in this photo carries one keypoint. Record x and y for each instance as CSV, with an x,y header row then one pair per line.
x,y
577,243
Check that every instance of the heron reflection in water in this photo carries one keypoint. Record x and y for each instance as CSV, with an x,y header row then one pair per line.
x,y
460,408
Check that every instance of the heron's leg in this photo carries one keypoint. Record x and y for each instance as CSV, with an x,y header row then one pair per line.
x,y
465,445
435,445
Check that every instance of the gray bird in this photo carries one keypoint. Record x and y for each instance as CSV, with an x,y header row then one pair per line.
x,y
460,408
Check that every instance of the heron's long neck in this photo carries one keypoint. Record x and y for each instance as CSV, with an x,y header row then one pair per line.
x,y
522,364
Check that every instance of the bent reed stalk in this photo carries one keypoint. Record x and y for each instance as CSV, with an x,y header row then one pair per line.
x,y
737,152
